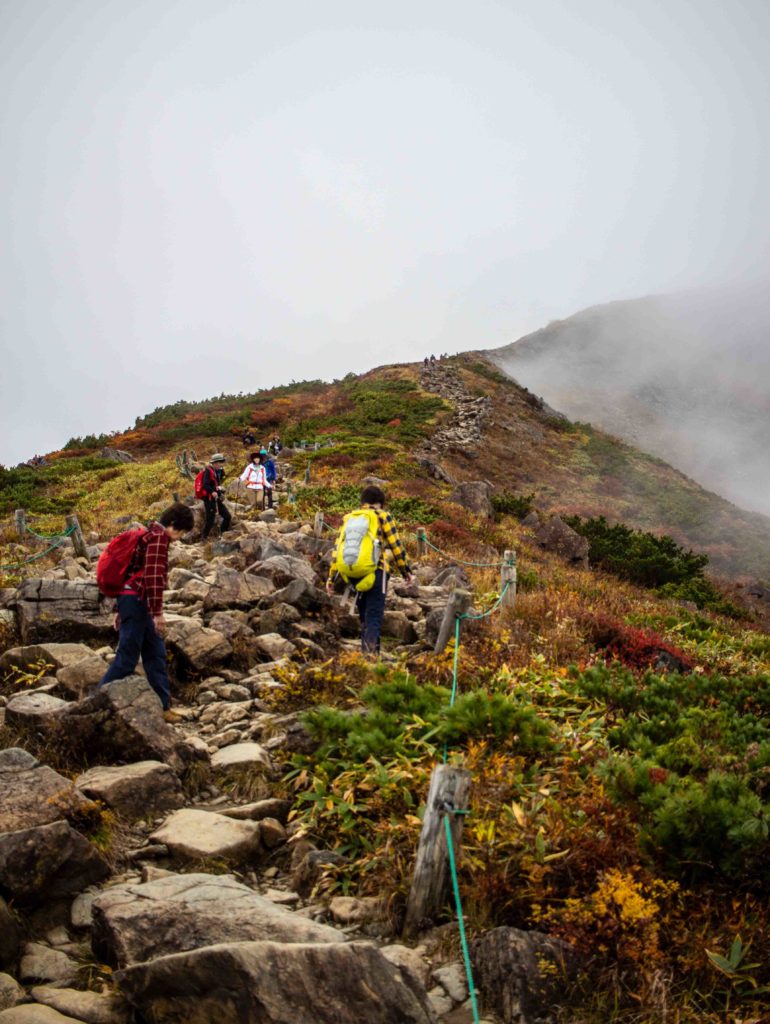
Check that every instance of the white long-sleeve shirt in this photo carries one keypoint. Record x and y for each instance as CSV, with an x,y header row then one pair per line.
x,y
254,476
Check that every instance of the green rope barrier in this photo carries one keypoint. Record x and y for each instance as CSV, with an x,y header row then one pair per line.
x,y
461,920
461,561
41,554
450,846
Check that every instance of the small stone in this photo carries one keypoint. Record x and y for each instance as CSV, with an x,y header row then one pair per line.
x,y
453,980
11,992
80,911
40,963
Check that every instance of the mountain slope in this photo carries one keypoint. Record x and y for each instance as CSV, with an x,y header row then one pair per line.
x,y
685,377
394,422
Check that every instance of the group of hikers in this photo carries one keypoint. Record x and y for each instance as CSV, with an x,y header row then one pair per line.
x,y
258,480
274,445
134,570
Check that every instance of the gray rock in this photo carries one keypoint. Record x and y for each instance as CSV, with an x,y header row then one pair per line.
x,y
123,721
556,536
273,646
282,569
270,808
192,835
310,868
275,983
41,963
34,794
30,1014
301,595
90,1007
508,971
79,677
57,610
233,589
80,911
476,496
395,623
9,937
453,980
48,861
141,790
241,755
132,923
407,959
11,992
202,649
34,713
357,909
55,655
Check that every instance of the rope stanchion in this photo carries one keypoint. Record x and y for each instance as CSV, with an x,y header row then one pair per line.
x,y
461,561
19,565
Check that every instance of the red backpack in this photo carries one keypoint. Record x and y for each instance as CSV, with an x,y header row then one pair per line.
x,y
201,483
112,567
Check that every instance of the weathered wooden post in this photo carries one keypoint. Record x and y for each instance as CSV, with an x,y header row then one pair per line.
x,y
459,602
508,577
78,543
422,542
318,525
447,794
20,516
307,473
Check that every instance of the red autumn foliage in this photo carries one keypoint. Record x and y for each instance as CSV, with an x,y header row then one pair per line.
x,y
637,648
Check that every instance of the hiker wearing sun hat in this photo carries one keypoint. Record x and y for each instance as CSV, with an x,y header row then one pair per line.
x,y
208,486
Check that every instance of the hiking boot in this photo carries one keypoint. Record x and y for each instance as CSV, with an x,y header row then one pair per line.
x,y
172,717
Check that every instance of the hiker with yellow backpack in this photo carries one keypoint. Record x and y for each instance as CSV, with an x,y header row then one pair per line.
x,y
368,546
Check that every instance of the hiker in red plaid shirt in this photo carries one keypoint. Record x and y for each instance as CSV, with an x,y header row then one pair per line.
x,y
139,617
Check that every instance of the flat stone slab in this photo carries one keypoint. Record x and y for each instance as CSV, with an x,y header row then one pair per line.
x,y
192,834
90,1007
55,655
277,983
132,923
240,755
29,1013
32,793
37,711
141,790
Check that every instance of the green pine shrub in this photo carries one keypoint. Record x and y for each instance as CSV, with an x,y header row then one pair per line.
x,y
506,503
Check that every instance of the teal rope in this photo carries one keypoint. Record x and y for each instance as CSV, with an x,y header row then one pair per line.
x,y
34,558
476,565
450,845
49,536
461,921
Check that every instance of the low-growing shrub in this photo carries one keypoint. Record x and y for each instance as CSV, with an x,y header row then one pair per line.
x,y
506,503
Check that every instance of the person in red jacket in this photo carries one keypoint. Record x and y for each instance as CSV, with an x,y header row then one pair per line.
x,y
139,617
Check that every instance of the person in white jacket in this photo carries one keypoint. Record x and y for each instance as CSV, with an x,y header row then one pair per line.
x,y
256,481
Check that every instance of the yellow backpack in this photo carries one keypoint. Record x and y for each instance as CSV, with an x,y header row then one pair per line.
x,y
358,548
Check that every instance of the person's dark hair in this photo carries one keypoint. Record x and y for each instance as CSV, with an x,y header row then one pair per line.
x,y
254,457
179,516
372,495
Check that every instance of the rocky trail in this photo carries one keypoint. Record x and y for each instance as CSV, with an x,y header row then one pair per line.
x,y
203,903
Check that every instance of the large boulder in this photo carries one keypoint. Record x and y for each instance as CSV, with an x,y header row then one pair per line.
x,y
48,861
59,610
521,975
79,677
300,594
554,535
233,589
34,794
132,923
141,790
91,1007
277,983
476,496
282,569
34,714
198,647
123,721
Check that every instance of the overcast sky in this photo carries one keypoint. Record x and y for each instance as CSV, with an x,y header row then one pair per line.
x,y
200,196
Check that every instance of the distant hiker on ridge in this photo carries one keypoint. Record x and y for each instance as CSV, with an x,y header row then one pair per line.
x,y
367,545
134,569
208,487
255,478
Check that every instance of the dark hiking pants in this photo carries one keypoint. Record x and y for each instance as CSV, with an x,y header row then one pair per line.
x,y
212,506
371,611
139,639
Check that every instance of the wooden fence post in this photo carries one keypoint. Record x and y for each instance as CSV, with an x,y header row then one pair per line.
x,y
318,525
508,576
448,792
459,603
20,517
422,542
76,536
307,473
